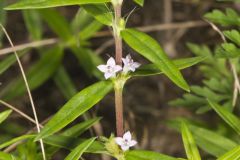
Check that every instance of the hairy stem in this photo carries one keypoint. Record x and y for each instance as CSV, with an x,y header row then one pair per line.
x,y
118,56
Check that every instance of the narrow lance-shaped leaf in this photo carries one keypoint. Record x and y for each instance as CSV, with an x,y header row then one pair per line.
x,y
37,4
152,69
80,149
206,139
7,156
14,140
33,23
100,12
75,107
189,143
147,155
4,115
9,61
36,75
140,2
234,154
232,120
150,49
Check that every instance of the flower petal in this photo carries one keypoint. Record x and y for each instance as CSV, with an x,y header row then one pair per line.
x,y
111,62
108,75
136,64
127,136
125,147
119,141
125,62
102,68
132,143
117,68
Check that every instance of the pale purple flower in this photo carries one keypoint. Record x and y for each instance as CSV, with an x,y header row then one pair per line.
x,y
126,141
129,64
110,69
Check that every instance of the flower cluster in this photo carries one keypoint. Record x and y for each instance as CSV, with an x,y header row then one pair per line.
x,y
111,68
126,141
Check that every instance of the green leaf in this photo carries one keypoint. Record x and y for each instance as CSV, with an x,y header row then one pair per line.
x,y
33,23
36,4
232,120
6,156
189,143
234,154
100,12
140,2
80,128
9,61
233,35
229,18
75,107
64,83
147,155
150,49
14,140
57,23
227,50
209,141
4,115
80,149
36,75
152,69
71,142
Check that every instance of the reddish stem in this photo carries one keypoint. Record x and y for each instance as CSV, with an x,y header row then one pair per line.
x,y
118,55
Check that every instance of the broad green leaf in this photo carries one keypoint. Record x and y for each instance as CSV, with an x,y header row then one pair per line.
x,y
36,75
150,49
234,154
231,17
80,128
140,2
76,106
152,69
232,120
36,4
6,156
209,141
64,83
80,149
100,12
147,155
14,140
9,61
4,115
233,35
189,143
33,23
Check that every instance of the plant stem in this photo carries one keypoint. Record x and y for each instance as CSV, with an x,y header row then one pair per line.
x,y
119,112
117,37
118,56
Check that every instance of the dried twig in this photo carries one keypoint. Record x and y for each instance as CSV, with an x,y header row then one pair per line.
x,y
27,87
19,112
151,28
233,68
